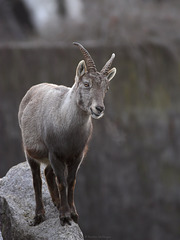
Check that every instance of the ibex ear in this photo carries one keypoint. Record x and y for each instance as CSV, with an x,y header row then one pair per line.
x,y
111,74
81,69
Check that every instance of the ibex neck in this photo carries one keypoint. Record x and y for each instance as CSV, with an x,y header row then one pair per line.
x,y
74,115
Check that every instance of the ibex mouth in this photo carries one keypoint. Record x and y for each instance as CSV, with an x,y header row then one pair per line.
x,y
96,115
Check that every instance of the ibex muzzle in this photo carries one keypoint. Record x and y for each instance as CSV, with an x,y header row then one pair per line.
x,y
56,125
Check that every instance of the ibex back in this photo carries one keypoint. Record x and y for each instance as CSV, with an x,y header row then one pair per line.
x,y
56,126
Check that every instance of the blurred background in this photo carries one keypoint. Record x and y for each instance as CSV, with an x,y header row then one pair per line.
x,y
128,186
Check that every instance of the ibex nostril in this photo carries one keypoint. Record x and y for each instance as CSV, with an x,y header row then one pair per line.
x,y
100,109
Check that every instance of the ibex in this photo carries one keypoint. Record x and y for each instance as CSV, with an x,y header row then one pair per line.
x,y
56,125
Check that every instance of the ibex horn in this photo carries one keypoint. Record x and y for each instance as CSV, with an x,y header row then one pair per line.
x,y
87,57
107,66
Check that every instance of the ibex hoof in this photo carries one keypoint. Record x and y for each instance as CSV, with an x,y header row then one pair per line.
x,y
37,220
75,217
65,219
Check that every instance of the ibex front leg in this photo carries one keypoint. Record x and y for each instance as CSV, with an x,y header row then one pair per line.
x,y
59,170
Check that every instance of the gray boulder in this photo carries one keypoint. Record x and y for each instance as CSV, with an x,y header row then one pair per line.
x,y
17,207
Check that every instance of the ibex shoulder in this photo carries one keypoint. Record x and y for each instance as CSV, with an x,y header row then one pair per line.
x,y
40,95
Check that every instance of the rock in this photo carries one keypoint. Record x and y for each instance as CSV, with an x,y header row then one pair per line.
x,y
17,205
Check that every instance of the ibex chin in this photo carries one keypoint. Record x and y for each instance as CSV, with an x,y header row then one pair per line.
x,y
56,125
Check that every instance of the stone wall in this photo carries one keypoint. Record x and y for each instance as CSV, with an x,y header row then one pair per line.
x,y
128,185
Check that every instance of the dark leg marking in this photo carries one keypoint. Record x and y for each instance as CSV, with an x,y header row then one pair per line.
x,y
65,215
37,183
72,171
52,186
74,214
59,170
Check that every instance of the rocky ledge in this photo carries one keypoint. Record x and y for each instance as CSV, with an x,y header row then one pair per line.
x,y
17,206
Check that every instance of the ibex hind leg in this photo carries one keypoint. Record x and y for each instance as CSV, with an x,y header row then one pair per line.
x,y
52,186
37,183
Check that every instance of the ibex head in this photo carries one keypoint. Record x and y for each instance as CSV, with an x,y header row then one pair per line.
x,y
91,84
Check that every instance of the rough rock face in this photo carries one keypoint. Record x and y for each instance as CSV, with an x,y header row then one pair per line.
x,y
17,206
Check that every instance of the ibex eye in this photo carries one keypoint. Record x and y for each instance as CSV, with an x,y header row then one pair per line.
x,y
86,84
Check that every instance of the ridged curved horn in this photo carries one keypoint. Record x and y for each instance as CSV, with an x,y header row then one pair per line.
x,y
107,66
87,57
